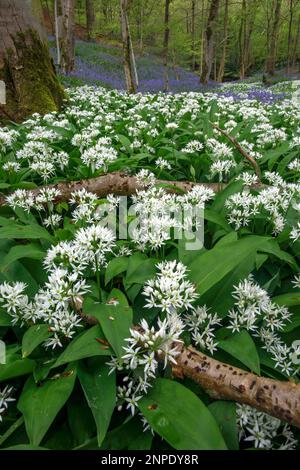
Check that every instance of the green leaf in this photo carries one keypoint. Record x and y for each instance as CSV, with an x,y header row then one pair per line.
x,y
15,366
115,322
34,336
40,404
215,264
100,392
22,251
84,345
140,269
290,299
115,267
242,347
224,413
217,218
180,417
27,232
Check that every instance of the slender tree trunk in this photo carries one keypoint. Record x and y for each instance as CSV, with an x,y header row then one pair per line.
x,y
166,45
127,48
202,37
90,18
193,10
26,66
67,35
242,36
296,44
225,39
289,45
209,41
57,33
271,61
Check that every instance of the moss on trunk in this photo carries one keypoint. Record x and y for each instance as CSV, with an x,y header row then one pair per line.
x,y
31,82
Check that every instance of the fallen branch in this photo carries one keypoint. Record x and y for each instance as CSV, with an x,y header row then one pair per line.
x,y
225,382
119,184
242,151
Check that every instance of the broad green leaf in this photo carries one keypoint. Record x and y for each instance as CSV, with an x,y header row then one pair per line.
x,y
41,403
224,413
29,232
216,263
290,299
100,392
242,347
216,218
84,345
15,366
115,321
140,270
115,267
22,251
180,417
33,337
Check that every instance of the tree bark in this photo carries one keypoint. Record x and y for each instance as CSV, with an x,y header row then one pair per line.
x,y
166,45
26,66
289,45
127,48
271,61
67,35
221,70
225,382
209,41
90,18
193,11
122,185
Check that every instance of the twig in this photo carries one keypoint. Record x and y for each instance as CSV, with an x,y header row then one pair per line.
x,y
242,151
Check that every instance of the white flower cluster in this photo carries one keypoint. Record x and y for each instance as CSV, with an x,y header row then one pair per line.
x,y
263,431
7,138
42,159
202,324
146,346
255,312
99,156
5,399
223,159
170,290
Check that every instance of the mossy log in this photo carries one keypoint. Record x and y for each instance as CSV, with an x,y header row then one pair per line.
x,y
26,66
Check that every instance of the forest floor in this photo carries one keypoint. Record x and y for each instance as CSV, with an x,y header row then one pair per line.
x,y
100,63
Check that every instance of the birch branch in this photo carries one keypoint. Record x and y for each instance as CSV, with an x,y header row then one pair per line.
x,y
225,382
119,184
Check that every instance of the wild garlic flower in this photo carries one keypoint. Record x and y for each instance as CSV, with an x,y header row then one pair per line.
x,y
170,290
262,431
5,399
193,147
96,241
145,179
202,324
221,168
11,167
20,198
99,156
163,164
146,347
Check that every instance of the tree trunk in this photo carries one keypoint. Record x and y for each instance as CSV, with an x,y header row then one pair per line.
x,y
289,45
193,8
295,55
242,35
221,71
271,61
90,18
166,45
67,35
56,21
26,66
209,41
127,48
